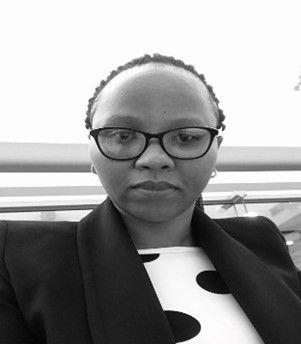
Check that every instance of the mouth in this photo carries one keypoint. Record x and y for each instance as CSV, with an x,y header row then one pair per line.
x,y
155,186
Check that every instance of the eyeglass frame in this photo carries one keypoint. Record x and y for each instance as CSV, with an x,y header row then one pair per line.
x,y
213,132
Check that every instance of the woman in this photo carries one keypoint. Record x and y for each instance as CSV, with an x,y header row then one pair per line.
x,y
147,265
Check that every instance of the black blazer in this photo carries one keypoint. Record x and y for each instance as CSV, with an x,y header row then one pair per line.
x,y
83,283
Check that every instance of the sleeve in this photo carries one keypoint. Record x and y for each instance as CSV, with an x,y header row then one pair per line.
x,y
281,236
13,329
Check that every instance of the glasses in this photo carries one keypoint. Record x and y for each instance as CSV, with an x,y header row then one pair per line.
x,y
185,143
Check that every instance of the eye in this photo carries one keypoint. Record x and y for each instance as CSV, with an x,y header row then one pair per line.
x,y
125,135
186,138
122,135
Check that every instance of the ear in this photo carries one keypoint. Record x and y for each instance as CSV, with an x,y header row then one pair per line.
x,y
93,169
219,140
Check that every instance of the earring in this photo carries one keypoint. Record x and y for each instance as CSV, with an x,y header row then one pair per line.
x,y
214,173
92,169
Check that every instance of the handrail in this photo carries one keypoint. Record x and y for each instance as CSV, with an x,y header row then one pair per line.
x,y
69,205
61,157
23,191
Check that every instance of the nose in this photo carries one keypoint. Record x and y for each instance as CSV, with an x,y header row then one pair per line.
x,y
154,157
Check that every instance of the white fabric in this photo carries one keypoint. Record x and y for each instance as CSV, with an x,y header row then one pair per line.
x,y
173,276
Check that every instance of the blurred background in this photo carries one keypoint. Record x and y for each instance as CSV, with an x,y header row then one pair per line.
x,y
55,53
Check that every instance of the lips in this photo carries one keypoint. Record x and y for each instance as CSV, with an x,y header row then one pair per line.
x,y
154,186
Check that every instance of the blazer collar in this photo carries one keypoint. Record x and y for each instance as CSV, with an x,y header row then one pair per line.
x,y
271,306
122,305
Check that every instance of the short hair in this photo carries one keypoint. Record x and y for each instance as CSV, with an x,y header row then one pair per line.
x,y
160,59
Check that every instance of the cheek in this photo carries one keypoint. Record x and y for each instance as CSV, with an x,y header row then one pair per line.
x,y
196,179
110,173
198,173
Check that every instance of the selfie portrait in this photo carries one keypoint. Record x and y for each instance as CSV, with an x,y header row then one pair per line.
x,y
150,164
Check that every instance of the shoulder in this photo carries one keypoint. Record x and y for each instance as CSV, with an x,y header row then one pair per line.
x,y
261,236
20,240
32,252
253,223
35,228
27,224
253,230
35,231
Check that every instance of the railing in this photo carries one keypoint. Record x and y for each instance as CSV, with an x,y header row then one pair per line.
x,y
34,206
47,157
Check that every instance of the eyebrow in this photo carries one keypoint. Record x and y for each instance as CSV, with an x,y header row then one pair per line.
x,y
135,121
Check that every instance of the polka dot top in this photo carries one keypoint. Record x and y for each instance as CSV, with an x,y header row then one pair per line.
x,y
196,301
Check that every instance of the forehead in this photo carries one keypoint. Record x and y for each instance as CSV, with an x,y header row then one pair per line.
x,y
154,94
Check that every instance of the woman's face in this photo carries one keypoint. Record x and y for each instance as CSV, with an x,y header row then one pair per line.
x,y
154,98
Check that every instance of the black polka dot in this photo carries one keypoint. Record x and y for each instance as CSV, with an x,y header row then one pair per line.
x,y
212,281
149,257
183,326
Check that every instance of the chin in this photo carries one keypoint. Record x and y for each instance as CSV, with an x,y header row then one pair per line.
x,y
155,213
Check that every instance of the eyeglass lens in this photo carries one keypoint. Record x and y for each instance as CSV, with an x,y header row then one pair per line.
x,y
118,143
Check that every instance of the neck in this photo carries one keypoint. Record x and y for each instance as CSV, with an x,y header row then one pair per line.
x,y
173,232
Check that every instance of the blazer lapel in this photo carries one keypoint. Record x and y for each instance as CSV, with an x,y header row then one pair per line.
x,y
122,306
271,306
